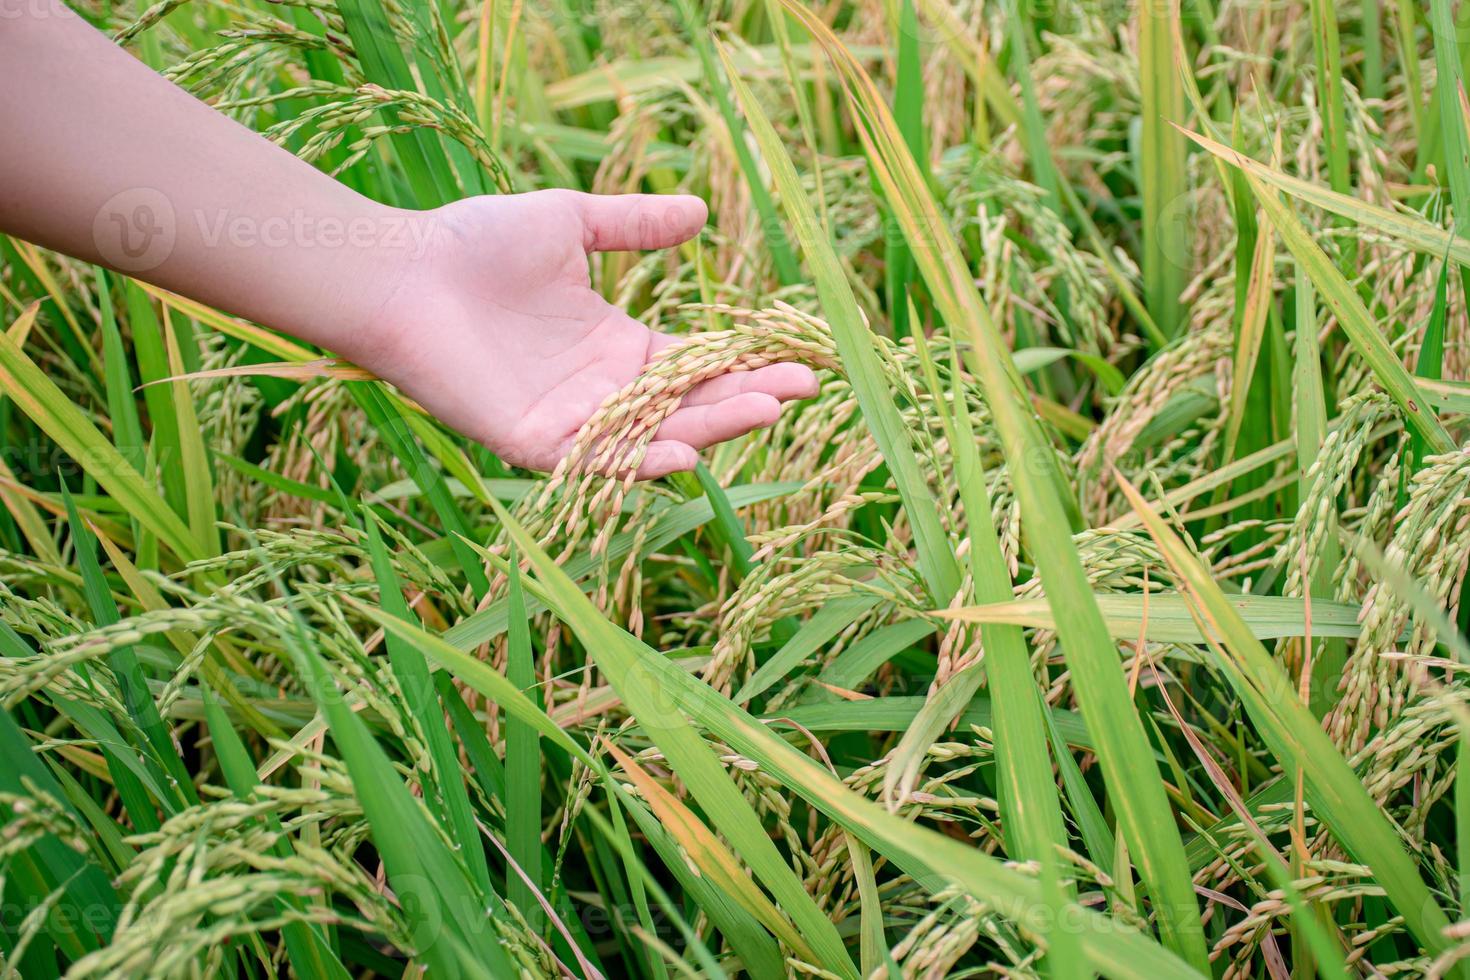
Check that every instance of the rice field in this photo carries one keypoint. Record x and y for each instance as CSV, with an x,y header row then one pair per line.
x,y
1101,615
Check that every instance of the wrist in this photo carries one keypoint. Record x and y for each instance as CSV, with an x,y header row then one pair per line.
x,y
376,260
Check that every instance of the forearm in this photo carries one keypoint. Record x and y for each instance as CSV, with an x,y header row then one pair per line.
x,y
109,162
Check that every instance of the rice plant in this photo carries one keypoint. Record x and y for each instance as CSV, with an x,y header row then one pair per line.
x,y
1103,613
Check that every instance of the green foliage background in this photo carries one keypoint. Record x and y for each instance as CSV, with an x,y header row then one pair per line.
x,y
1101,615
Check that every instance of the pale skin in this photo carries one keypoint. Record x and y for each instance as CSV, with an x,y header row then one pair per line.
x,y
482,311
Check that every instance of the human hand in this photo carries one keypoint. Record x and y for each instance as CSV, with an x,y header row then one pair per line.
x,y
495,329
483,312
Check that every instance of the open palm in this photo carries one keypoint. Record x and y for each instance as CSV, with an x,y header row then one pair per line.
x,y
497,331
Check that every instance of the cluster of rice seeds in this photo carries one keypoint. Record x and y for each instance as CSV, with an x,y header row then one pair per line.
x,y
211,873
950,927
1411,754
327,429
35,814
581,506
1075,75
599,469
1254,935
55,666
581,503
230,71
1431,540
960,645
979,190
934,797
777,590
1336,466
1407,292
1230,560
821,450
412,111
1113,562
272,553
1233,846
39,616
818,447
834,519
229,412
1199,361
936,943
1397,722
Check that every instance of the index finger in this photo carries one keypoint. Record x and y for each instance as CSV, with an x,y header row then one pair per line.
x,y
631,222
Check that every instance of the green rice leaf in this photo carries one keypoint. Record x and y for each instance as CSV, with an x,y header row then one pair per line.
x,y
831,619
1162,179
522,762
445,788
451,920
662,695
37,395
1337,796
671,524
1168,617
193,454
855,345
1136,786
696,764
1354,318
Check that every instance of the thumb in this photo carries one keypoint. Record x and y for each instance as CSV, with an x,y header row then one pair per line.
x,y
630,222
